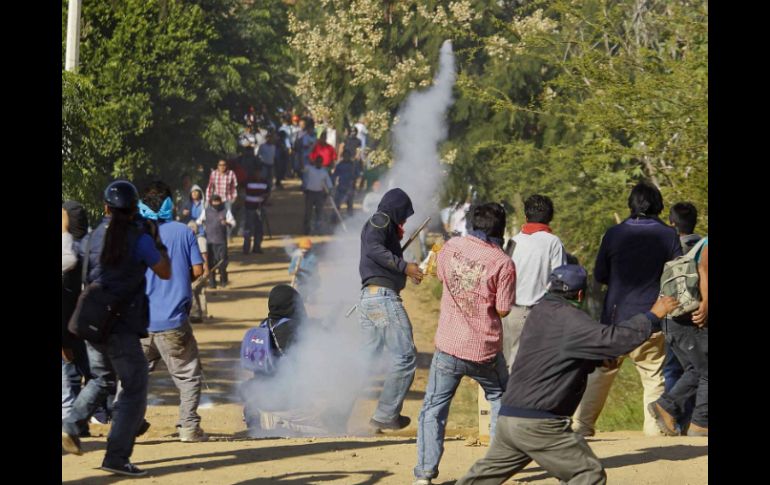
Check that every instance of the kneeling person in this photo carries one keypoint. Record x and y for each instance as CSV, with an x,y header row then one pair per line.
x,y
560,346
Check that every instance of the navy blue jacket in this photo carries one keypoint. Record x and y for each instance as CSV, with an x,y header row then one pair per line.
x,y
127,280
381,262
630,262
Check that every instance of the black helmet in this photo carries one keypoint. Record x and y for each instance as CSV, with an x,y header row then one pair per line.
x,y
121,194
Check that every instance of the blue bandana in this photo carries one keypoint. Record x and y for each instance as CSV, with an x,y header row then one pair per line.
x,y
165,213
483,236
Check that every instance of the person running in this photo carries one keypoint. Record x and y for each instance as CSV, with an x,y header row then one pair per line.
x,y
479,283
385,325
118,253
560,346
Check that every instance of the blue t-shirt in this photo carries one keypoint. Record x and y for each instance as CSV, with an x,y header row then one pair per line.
x,y
170,300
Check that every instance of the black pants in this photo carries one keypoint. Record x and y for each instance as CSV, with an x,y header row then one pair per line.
x,y
344,194
217,253
314,202
691,347
252,227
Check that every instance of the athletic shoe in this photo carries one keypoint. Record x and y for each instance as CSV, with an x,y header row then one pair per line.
x,y
143,427
126,468
71,443
192,435
399,423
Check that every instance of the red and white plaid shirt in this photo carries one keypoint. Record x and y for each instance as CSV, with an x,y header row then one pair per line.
x,y
479,280
224,184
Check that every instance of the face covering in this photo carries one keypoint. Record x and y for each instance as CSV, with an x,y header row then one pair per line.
x,y
219,207
164,213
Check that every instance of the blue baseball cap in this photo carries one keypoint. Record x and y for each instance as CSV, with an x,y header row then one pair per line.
x,y
569,277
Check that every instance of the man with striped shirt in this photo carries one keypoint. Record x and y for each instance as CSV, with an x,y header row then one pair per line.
x,y
257,192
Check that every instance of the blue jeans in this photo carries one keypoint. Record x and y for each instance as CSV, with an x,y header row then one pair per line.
x,y
121,355
690,345
385,326
672,371
446,371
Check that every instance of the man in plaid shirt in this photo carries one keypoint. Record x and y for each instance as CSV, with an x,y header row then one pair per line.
x,y
223,182
479,288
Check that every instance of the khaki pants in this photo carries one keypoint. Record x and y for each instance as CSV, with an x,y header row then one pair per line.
x,y
179,351
513,324
648,359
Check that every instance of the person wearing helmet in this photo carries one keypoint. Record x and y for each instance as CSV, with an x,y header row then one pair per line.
x,y
560,346
303,267
117,253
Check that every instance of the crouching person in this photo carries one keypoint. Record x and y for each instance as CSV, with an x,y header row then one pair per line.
x,y
560,345
264,346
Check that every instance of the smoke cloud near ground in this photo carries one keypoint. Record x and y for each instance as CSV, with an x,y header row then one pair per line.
x,y
323,374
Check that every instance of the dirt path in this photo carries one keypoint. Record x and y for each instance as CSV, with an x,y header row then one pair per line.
x,y
232,458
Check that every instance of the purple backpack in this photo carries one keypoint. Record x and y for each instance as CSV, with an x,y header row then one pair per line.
x,y
259,348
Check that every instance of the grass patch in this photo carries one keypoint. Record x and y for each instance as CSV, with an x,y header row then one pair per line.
x,y
623,409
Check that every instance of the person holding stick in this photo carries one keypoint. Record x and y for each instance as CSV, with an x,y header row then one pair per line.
x,y
385,325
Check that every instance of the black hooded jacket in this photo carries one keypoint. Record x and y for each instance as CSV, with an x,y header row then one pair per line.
x,y
381,262
285,302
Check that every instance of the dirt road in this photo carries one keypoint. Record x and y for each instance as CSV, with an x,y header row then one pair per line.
x,y
232,458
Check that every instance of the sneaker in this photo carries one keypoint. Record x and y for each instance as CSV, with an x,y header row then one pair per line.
x,y
422,481
192,435
71,443
399,423
126,468
258,251
143,428
666,423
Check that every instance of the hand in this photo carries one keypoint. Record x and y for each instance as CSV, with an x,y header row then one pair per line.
x,y
414,273
700,317
610,364
65,221
185,212
664,305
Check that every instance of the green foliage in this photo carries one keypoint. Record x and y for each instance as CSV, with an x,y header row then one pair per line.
x,y
623,409
163,84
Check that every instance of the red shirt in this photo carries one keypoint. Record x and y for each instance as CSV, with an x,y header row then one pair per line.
x,y
479,280
326,152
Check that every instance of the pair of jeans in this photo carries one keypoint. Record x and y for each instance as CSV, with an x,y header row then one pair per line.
x,y
690,345
446,371
672,371
252,227
120,356
385,327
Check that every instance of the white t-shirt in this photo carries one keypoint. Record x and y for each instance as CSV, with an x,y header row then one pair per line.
x,y
535,256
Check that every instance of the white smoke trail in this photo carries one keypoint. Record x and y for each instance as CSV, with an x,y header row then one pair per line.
x,y
324,372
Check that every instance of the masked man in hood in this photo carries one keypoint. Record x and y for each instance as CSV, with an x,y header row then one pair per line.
x,y
385,326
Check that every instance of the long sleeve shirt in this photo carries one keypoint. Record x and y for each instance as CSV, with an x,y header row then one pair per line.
x,y
224,184
316,179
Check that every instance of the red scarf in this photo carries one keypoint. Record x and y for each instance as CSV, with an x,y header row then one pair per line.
x,y
400,229
533,227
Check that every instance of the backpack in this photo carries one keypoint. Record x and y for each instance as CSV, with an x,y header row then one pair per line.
x,y
259,349
680,279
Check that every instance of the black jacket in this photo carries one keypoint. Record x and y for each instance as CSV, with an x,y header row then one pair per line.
x,y
381,262
560,345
